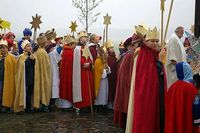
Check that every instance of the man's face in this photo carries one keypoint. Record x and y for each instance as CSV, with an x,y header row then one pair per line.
x,y
28,48
180,33
27,37
153,43
4,49
83,40
96,39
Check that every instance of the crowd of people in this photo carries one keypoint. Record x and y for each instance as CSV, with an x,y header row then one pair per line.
x,y
149,87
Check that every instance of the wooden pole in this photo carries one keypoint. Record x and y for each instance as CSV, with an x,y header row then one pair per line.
x,y
162,26
168,20
91,105
34,35
106,36
4,31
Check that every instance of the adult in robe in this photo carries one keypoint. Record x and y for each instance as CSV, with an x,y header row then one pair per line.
x,y
175,53
101,70
148,88
124,82
112,77
26,82
83,91
44,77
7,77
94,45
179,101
66,69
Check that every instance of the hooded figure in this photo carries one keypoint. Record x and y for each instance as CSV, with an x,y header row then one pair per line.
x,y
179,100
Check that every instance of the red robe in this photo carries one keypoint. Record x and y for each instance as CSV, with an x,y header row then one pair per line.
x,y
147,93
93,51
86,84
66,69
123,89
180,97
112,77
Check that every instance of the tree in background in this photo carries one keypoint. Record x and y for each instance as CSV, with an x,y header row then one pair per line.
x,y
87,15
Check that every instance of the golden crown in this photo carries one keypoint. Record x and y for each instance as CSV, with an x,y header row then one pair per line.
x,y
82,34
152,34
141,30
68,39
109,44
3,42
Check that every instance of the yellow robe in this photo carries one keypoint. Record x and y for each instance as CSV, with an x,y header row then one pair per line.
x,y
98,71
9,81
20,84
44,77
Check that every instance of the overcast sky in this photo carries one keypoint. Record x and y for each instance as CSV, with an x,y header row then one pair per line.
x,y
125,14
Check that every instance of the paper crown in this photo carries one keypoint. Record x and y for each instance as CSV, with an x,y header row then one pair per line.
x,y
68,39
41,40
109,44
141,30
82,34
24,43
50,34
152,34
3,42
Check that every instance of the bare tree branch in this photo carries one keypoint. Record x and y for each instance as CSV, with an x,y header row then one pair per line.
x,y
87,16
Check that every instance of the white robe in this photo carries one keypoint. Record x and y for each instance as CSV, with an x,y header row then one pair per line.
x,y
176,52
102,97
55,57
64,104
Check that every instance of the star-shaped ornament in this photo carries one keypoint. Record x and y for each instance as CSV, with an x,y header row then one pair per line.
x,y
5,24
73,26
107,19
36,22
85,53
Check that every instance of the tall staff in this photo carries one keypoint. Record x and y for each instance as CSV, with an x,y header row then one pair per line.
x,y
162,8
107,22
168,19
35,25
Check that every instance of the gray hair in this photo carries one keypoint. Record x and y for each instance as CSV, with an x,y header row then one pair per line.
x,y
178,29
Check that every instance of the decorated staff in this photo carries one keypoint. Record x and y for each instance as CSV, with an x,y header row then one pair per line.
x,y
35,25
162,8
73,27
107,21
168,19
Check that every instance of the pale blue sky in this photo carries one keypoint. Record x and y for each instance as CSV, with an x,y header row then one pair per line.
x,y
125,14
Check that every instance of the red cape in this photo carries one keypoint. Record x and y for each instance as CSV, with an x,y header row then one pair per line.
x,y
86,84
93,51
180,97
112,77
146,96
123,89
66,69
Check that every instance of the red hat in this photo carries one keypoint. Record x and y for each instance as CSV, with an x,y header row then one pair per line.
x,y
132,40
9,34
